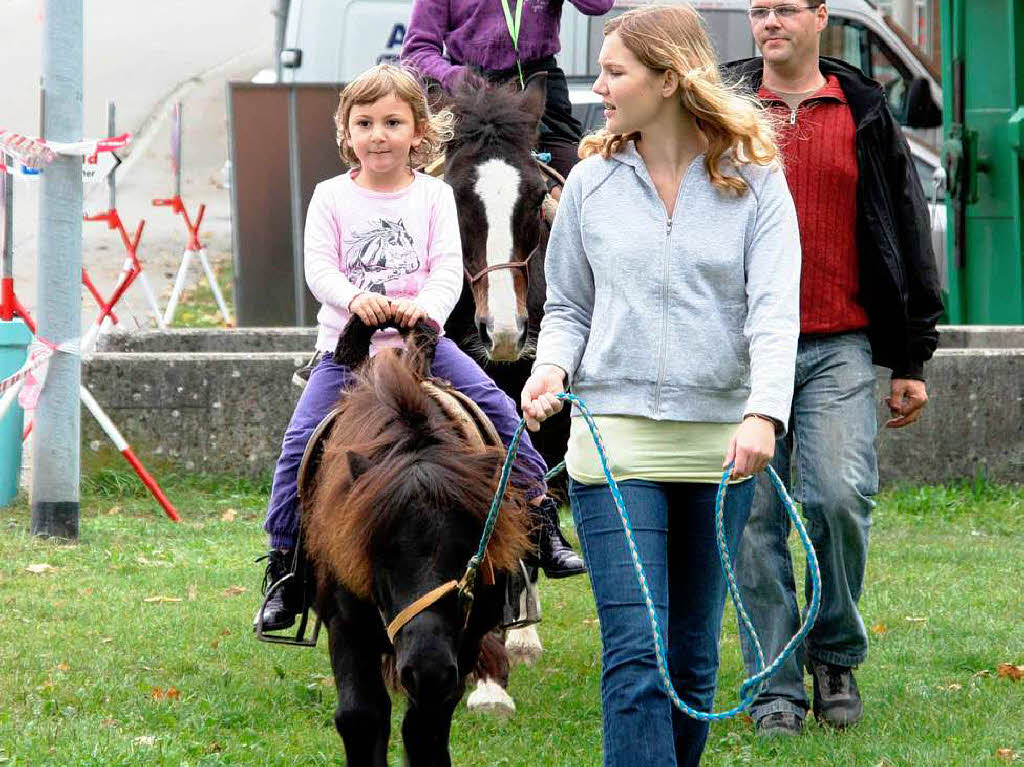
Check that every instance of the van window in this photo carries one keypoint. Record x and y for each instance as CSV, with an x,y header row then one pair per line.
x,y
893,75
844,40
854,44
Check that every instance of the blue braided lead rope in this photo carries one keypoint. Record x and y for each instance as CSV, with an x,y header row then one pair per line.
x,y
753,685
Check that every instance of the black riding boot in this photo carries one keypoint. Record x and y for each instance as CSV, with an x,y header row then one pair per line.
x,y
286,602
555,556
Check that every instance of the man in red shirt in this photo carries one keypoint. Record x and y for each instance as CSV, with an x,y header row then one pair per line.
x,y
868,293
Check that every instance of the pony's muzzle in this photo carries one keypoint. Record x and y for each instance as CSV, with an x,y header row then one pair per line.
x,y
429,676
504,343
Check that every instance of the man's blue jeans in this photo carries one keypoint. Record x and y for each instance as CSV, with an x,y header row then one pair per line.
x,y
831,447
674,529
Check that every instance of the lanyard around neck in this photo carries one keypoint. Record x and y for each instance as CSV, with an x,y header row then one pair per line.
x,y
513,32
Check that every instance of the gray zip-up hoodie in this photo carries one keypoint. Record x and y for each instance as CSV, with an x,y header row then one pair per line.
x,y
693,318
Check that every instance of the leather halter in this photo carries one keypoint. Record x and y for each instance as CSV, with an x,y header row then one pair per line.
x,y
478,431
436,168
524,264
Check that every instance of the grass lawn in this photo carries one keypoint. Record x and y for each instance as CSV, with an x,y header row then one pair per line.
x,y
134,646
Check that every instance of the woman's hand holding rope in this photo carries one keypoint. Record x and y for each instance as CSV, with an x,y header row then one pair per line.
x,y
540,395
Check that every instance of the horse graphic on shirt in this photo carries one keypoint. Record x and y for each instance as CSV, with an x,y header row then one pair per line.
x,y
380,254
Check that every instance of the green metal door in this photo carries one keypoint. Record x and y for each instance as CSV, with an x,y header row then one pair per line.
x,y
983,90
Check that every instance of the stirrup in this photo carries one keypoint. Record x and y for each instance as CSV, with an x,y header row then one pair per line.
x,y
299,639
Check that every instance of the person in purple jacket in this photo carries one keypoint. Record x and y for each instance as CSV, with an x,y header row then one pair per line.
x,y
476,37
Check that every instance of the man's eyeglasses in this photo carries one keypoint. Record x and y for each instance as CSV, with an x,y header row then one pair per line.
x,y
782,12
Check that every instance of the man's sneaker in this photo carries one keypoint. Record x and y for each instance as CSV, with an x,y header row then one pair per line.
x,y
301,376
784,723
285,602
836,696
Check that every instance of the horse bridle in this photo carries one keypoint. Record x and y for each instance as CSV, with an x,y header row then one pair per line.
x,y
546,170
524,265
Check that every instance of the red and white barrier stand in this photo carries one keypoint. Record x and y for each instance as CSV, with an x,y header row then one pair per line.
x,y
194,246
131,269
33,373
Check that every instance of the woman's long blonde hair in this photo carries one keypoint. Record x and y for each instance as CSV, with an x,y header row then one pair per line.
x,y
390,80
672,37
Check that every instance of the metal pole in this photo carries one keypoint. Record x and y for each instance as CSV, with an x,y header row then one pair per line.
x,y
280,20
176,148
55,457
111,131
7,242
295,184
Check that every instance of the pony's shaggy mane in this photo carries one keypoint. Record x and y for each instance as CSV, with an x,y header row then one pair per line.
x,y
418,471
490,114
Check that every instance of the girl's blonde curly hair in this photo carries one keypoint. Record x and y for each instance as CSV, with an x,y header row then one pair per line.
x,y
391,80
672,37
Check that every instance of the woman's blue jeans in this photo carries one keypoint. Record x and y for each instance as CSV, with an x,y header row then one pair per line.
x,y
674,528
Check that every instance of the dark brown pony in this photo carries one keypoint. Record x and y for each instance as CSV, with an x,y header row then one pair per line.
x,y
397,509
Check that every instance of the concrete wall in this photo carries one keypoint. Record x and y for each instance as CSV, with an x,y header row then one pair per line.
x,y
225,411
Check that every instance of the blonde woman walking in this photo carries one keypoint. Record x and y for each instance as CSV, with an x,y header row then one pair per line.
x,y
672,280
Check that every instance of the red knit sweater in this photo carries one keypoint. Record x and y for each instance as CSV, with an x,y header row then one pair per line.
x,y
819,151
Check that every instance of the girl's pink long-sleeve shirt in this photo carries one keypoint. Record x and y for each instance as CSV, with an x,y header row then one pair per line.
x,y
402,244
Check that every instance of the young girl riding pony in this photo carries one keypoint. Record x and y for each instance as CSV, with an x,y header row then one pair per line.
x,y
382,242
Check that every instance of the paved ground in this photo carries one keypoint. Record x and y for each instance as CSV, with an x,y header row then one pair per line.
x,y
144,56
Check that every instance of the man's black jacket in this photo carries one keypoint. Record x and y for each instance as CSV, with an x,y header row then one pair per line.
x,y
899,285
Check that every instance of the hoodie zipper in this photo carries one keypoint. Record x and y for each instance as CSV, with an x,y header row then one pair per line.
x,y
662,350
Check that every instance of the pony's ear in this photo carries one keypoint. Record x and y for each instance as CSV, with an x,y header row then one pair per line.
x,y
535,95
358,464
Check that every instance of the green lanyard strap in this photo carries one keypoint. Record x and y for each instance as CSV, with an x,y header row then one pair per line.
x,y
513,32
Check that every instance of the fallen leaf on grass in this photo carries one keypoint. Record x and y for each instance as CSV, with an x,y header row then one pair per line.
x,y
113,510
62,667
1010,671
1006,754
229,515
327,681
106,640
161,599
215,644
40,569
226,633
234,591
109,722
878,629
955,687
159,693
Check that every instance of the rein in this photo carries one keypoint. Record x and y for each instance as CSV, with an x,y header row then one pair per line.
x,y
753,685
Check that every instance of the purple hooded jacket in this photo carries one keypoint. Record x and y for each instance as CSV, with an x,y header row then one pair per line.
x,y
474,33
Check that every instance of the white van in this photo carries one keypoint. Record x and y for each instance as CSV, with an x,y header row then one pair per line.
x,y
330,41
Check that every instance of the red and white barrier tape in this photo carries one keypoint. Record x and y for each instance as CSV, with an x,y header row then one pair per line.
x,y
32,375
37,152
